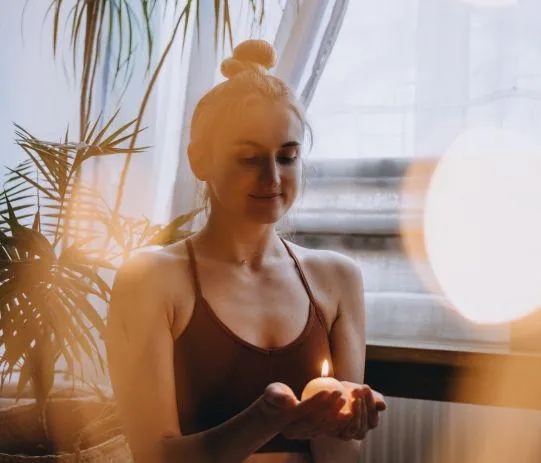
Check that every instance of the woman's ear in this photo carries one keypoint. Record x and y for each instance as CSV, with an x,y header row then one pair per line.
x,y
199,161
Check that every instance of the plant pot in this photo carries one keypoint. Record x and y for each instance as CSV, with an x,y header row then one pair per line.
x,y
79,429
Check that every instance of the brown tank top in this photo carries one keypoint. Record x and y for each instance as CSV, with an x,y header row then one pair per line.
x,y
218,374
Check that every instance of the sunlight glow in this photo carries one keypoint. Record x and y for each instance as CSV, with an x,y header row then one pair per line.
x,y
482,225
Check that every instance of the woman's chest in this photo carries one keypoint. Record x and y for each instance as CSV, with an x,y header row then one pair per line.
x,y
269,309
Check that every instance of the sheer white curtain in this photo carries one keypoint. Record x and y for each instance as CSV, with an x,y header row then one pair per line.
x,y
407,76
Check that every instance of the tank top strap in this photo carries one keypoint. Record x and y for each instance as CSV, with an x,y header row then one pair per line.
x,y
193,267
304,280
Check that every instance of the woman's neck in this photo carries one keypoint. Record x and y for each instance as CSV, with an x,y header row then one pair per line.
x,y
247,243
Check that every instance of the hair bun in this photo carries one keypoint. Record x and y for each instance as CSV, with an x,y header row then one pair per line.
x,y
255,55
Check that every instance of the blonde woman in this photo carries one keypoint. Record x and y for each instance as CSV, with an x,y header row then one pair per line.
x,y
212,340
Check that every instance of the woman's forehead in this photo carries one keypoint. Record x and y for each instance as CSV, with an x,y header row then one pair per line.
x,y
265,124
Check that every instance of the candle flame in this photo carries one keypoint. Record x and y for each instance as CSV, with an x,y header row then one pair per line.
x,y
325,368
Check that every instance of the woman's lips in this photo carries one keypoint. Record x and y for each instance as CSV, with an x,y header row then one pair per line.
x,y
266,197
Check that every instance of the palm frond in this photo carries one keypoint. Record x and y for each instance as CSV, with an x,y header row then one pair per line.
x,y
50,172
172,232
44,315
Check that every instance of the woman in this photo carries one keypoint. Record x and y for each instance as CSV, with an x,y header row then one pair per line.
x,y
212,340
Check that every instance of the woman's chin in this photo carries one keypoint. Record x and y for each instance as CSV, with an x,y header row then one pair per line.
x,y
267,213
266,217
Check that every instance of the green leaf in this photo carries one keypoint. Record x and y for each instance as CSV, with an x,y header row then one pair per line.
x,y
102,132
88,273
170,232
73,255
35,224
32,241
83,335
80,284
32,182
24,379
80,302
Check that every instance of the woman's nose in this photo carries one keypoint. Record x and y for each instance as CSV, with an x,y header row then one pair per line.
x,y
270,171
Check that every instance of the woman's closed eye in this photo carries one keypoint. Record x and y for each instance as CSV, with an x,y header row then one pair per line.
x,y
288,159
289,155
250,159
285,157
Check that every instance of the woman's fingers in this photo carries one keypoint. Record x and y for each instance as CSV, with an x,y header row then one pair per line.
x,y
280,396
374,403
306,415
354,425
328,422
321,414
372,412
324,418
311,405
358,426
363,430
340,419
381,405
365,405
278,401
357,389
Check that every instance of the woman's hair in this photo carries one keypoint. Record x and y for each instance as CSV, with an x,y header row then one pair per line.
x,y
247,81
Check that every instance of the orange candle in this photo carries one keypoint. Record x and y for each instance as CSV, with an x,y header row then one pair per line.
x,y
325,383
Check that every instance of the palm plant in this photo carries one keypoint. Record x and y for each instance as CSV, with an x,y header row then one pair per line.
x,y
44,288
57,234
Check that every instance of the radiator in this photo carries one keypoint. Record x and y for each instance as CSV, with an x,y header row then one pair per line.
x,y
419,431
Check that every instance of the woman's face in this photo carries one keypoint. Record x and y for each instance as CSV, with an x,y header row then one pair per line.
x,y
256,166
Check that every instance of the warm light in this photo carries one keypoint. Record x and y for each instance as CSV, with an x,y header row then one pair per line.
x,y
325,368
482,225
325,383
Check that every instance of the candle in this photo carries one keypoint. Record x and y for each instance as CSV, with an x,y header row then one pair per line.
x,y
325,383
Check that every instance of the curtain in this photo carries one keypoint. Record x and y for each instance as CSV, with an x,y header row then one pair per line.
x,y
413,74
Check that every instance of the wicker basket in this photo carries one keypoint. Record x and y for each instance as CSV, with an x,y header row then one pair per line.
x,y
80,429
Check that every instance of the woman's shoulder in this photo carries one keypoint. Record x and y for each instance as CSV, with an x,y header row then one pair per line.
x,y
155,262
162,271
325,260
331,275
160,275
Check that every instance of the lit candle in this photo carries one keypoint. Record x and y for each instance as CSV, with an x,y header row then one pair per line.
x,y
325,383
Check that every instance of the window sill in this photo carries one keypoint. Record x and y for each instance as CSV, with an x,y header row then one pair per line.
x,y
495,377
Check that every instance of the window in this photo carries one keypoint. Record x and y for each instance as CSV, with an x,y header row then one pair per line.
x,y
405,78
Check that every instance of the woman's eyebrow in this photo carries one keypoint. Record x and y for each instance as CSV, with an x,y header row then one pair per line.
x,y
257,145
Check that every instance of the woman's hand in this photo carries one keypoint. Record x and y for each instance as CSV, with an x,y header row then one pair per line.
x,y
365,405
307,419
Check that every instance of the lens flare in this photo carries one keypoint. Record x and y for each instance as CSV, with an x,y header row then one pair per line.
x,y
482,225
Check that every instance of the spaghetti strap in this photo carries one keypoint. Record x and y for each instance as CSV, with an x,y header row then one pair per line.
x,y
193,267
306,285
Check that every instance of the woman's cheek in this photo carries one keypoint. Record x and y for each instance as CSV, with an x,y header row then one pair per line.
x,y
232,187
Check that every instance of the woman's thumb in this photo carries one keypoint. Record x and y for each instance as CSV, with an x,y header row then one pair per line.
x,y
280,396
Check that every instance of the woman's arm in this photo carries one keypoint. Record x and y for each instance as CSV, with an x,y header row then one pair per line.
x,y
140,359
348,346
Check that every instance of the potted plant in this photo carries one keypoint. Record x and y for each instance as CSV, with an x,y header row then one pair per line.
x,y
45,311
57,238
